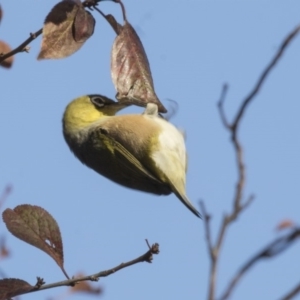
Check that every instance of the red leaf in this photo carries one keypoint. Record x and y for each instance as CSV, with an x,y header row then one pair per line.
x,y
130,70
11,287
35,226
66,28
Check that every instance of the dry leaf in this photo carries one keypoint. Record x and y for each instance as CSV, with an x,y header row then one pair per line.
x,y
35,226
285,224
66,28
130,70
11,287
5,48
84,24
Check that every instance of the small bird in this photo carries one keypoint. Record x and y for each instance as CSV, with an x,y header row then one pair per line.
x,y
140,151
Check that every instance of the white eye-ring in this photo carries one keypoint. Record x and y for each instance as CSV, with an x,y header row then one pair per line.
x,y
98,101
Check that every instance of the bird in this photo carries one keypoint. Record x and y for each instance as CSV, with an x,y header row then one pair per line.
x,y
144,151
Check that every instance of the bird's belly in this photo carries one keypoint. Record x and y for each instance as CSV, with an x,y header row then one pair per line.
x,y
104,161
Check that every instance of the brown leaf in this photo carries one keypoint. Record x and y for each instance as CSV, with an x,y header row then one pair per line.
x,y
285,224
130,70
35,226
85,287
5,48
10,287
83,25
113,23
66,28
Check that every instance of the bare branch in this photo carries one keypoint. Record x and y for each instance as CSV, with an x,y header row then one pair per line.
x,y
238,204
5,194
221,106
291,294
206,219
22,47
146,257
274,248
263,76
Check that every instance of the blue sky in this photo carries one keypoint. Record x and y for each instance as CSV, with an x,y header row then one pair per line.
x,y
193,47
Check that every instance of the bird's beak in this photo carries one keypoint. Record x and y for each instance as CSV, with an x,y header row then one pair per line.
x,y
118,106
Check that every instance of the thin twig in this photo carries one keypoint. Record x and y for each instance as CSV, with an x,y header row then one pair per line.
x,y
291,294
111,20
206,219
274,248
264,75
146,257
221,106
5,194
22,47
211,251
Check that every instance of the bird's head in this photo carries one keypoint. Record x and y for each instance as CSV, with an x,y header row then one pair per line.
x,y
86,110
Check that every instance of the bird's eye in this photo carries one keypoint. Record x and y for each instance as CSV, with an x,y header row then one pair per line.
x,y
98,101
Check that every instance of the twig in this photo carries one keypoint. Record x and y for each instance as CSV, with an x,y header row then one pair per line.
x,y
291,294
206,219
221,106
22,47
110,19
123,9
271,250
263,76
5,194
238,205
146,257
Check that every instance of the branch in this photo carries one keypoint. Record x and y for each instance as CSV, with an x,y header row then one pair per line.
x,y
146,257
238,204
22,47
5,194
221,104
263,76
292,293
276,247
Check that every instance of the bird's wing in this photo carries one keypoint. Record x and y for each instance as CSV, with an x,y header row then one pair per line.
x,y
129,168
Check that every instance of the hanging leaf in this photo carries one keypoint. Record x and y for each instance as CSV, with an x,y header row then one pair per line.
x,y
130,70
11,287
66,28
35,226
5,48
84,24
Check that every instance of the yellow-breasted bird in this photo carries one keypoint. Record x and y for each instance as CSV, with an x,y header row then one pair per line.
x,y
139,151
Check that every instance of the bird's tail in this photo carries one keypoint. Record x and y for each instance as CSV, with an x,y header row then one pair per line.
x,y
184,199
